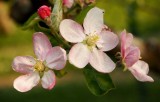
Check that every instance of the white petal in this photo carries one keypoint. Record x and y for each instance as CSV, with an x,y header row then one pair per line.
x,y
23,64
56,58
71,31
41,45
101,62
93,22
79,55
26,82
140,70
48,80
108,40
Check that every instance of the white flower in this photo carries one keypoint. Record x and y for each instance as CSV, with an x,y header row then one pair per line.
x,y
48,58
91,40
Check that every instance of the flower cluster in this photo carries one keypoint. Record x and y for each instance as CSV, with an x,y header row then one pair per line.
x,y
89,43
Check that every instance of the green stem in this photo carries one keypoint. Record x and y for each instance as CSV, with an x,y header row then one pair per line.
x,y
125,69
43,29
54,21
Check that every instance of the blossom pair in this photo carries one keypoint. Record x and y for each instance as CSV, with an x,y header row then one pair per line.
x,y
91,42
93,39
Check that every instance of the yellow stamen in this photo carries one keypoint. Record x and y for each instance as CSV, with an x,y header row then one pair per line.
x,y
39,66
92,39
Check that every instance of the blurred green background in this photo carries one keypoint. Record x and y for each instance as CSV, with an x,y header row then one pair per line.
x,y
141,17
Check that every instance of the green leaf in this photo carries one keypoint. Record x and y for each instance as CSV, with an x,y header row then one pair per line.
x,y
80,17
34,19
98,83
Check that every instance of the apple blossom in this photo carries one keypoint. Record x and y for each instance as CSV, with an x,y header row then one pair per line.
x,y
48,58
91,40
130,58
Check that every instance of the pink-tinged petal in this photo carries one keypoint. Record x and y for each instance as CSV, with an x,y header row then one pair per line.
x,y
26,82
71,31
108,40
106,27
48,80
132,55
23,64
140,70
79,55
93,22
68,3
126,41
101,62
56,58
41,45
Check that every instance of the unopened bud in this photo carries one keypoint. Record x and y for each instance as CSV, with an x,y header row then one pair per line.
x,y
90,1
44,12
83,3
68,3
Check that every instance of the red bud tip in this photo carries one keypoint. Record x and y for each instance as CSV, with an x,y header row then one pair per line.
x,y
44,12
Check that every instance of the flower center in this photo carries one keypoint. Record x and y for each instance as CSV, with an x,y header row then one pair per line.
x,y
92,39
39,66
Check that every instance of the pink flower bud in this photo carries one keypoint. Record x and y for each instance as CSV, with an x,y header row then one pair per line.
x,y
44,12
90,1
83,3
68,3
